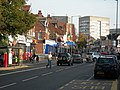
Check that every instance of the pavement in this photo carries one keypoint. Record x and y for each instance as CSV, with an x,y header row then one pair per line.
x,y
24,65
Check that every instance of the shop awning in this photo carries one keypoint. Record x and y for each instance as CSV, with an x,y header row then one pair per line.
x,y
70,43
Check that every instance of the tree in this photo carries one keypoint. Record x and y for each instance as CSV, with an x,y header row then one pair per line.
x,y
81,41
14,20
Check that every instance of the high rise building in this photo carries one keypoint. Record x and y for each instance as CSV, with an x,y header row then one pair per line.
x,y
94,26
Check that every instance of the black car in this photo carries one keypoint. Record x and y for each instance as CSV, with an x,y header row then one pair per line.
x,y
64,58
106,66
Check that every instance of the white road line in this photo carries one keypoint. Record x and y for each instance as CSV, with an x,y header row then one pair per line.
x,y
46,73
59,70
21,71
29,78
114,85
7,85
89,78
68,68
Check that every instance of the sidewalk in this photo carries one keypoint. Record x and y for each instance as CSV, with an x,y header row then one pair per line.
x,y
24,65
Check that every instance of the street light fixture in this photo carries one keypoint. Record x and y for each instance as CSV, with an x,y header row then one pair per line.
x,y
116,17
71,26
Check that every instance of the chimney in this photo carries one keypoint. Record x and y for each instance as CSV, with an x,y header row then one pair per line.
x,y
49,19
40,13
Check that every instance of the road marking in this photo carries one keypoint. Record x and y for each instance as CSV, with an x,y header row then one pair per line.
x,y
29,78
114,85
46,73
22,71
68,68
59,70
7,85
89,78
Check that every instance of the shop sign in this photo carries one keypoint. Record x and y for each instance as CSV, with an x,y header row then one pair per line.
x,y
21,39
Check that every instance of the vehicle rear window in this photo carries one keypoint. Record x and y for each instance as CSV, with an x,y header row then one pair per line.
x,y
105,60
63,54
89,53
75,55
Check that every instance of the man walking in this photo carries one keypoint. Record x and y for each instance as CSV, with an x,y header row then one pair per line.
x,y
49,60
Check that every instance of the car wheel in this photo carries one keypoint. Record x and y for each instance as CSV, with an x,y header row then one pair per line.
x,y
95,76
69,63
57,64
72,63
94,59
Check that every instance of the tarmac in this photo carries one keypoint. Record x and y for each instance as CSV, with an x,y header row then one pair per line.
x,y
29,65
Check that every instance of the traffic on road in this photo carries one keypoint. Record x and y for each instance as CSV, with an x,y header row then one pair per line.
x,y
78,76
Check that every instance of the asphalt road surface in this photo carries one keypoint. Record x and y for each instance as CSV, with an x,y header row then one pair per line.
x,y
76,77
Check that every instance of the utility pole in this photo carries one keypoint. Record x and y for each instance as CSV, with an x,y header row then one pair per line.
x,y
116,17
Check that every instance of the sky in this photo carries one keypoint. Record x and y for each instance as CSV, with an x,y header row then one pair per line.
x,y
75,8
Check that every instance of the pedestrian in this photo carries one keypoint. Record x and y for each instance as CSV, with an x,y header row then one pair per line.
x,y
21,60
16,60
37,58
49,60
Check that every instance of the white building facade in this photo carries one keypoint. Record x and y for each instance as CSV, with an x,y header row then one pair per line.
x,y
94,26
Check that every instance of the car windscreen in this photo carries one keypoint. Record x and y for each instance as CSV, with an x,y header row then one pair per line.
x,y
105,60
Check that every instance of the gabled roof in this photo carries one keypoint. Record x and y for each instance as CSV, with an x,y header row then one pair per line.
x,y
52,28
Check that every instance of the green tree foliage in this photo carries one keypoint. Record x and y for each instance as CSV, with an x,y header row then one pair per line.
x,y
13,19
81,41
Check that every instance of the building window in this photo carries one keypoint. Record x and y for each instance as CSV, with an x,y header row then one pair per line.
x,y
39,35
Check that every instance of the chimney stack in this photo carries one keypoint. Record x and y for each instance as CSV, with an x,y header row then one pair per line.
x,y
40,13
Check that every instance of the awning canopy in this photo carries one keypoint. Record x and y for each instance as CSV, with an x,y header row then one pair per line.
x,y
70,43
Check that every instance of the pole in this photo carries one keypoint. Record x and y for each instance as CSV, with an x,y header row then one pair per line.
x,y
116,22
116,17
71,31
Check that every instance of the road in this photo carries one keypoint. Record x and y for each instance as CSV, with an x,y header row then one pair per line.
x,y
76,77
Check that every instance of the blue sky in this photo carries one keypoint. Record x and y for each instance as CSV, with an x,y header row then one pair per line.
x,y
103,8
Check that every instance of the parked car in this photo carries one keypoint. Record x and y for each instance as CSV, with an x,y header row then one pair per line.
x,y
94,55
77,58
64,58
107,66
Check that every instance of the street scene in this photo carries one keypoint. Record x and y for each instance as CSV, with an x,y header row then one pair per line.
x,y
65,77
59,45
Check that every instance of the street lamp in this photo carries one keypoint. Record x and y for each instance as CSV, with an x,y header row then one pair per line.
x,y
116,17
71,27
116,20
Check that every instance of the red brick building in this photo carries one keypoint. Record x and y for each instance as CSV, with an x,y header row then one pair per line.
x,y
49,29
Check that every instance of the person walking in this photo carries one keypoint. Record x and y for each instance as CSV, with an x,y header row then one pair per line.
x,y
49,60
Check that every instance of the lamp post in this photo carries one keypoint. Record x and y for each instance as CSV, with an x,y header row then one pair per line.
x,y
116,20
71,28
116,17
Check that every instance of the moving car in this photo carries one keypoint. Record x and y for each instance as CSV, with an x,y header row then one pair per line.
x,y
77,58
106,66
64,58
